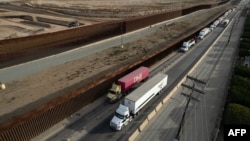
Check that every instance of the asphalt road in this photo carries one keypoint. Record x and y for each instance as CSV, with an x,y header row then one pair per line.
x,y
204,113
93,124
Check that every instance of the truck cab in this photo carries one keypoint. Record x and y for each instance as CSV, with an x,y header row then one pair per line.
x,y
212,27
186,45
225,22
121,118
114,93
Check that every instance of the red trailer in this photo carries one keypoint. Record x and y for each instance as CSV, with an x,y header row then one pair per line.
x,y
128,81
125,83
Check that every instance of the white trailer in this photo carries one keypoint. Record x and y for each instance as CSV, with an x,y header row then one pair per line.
x,y
135,101
203,33
216,23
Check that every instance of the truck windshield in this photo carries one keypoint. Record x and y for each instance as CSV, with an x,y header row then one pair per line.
x,y
119,115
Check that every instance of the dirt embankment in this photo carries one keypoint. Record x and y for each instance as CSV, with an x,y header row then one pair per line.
x,y
56,81
83,12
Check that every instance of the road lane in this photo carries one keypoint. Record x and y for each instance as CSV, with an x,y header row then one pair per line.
x,y
102,131
200,121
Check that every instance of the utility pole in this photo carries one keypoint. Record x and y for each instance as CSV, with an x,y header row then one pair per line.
x,y
177,137
121,34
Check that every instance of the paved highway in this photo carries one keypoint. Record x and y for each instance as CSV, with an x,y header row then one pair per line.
x,y
93,124
203,116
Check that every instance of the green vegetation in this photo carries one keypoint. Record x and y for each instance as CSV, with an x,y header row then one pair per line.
x,y
238,109
242,71
240,95
240,81
244,52
237,114
245,41
244,44
246,35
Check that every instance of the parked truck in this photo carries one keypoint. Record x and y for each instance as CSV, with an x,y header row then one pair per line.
x,y
124,84
203,33
135,101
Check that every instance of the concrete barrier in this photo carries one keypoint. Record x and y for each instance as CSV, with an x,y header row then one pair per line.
x,y
172,92
151,115
134,135
143,125
158,107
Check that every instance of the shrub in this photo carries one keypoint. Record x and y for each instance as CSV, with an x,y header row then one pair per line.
x,y
246,40
246,35
240,95
242,71
244,52
240,81
237,114
245,45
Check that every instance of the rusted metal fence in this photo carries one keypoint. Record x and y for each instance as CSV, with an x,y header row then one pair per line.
x,y
30,124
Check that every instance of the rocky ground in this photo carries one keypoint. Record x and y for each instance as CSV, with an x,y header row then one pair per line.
x,y
39,88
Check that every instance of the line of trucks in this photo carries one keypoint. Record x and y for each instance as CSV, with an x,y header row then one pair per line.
x,y
224,22
139,96
205,31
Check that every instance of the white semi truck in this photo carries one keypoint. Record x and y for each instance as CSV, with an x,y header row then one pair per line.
x,y
135,101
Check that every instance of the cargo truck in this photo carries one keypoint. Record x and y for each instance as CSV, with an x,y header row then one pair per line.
x,y
186,45
135,101
203,33
225,22
214,25
124,84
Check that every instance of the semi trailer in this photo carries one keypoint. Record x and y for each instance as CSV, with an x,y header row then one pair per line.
x,y
135,101
203,33
124,84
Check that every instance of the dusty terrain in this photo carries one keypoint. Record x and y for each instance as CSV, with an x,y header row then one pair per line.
x,y
13,24
39,88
